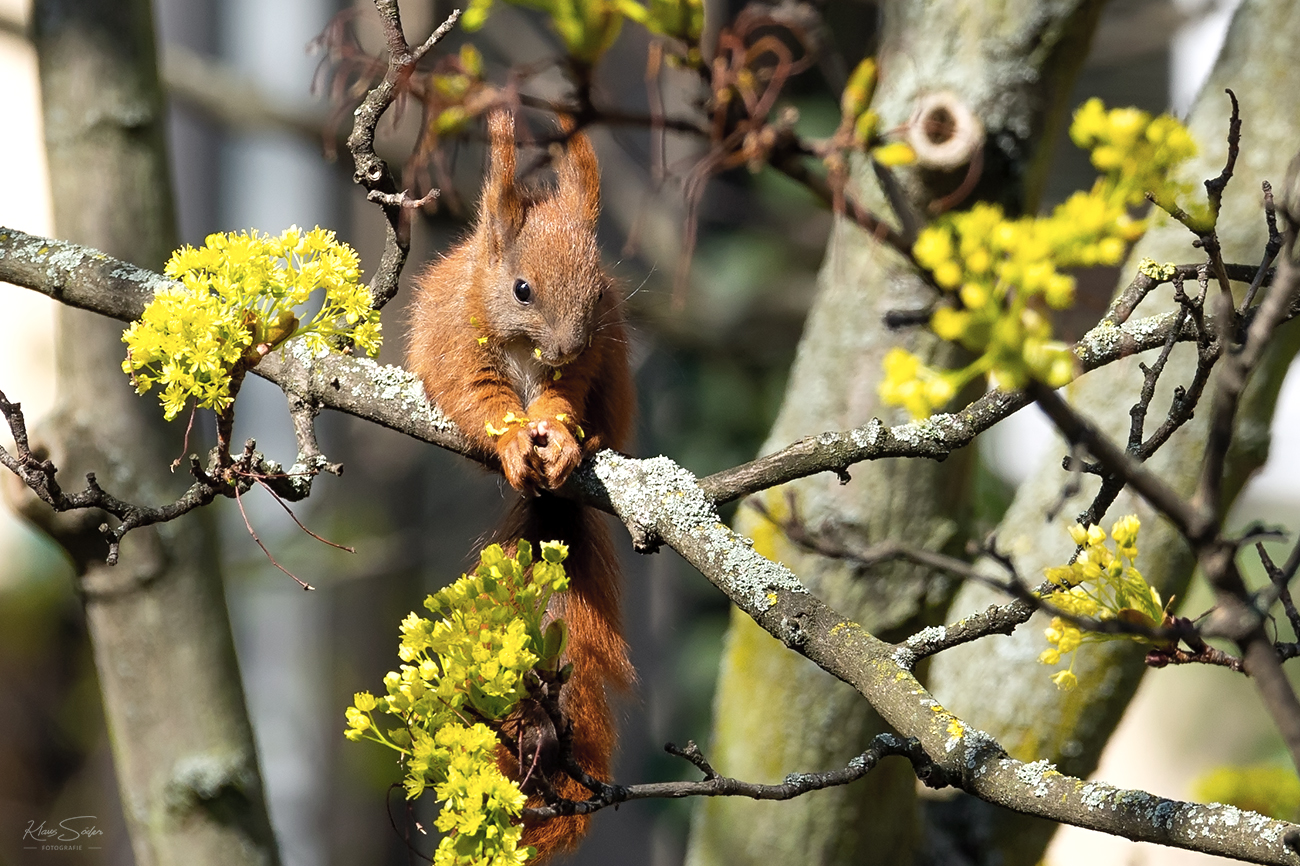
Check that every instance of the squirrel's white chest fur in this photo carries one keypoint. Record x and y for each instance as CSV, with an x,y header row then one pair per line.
x,y
525,372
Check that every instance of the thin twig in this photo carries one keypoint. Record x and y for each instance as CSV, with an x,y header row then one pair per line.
x,y
39,476
289,511
1077,429
240,502
715,785
1214,187
1231,385
1271,248
371,172
1281,587
1207,655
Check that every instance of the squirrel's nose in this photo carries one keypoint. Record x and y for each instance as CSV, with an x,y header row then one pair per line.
x,y
565,348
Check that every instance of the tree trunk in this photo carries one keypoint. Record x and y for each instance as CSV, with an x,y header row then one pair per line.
x,y
182,745
775,713
1026,713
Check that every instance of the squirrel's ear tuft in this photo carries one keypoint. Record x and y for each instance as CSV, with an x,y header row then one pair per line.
x,y
579,174
502,206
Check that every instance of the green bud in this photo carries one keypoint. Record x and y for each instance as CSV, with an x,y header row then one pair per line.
x,y
859,89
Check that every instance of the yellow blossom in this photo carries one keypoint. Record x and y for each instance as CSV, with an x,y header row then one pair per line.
x,y
909,383
236,300
462,672
1065,680
1098,584
894,154
1004,272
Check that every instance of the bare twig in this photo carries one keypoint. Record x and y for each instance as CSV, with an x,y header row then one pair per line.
x,y
1232,384
995,619
240,502
715,785
1207,655
225,476
1182,405
1077,429
402,199
1271,248
1142,285
39,476
1281,580
372,172
294,517
1214,187
303,413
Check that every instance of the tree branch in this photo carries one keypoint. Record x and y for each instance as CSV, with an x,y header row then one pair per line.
x,y
393,398
714,785
223,477
372,172
657,499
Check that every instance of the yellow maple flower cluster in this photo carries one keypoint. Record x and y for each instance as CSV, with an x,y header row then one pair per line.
x,y
1001,276
1100,584
238,299
589,27
462,672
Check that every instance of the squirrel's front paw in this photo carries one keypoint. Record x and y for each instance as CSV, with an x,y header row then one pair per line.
x,y
519,460
559,451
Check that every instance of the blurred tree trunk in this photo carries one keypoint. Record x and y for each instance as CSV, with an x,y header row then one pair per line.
x,y
1025,712
1012,64
182,745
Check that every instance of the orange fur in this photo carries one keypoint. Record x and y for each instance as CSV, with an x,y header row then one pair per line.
x,y
483,353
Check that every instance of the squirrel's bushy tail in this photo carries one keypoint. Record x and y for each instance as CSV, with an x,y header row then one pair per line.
x,y
596,648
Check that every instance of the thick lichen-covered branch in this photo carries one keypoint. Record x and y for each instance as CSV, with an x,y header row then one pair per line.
x,y
659,498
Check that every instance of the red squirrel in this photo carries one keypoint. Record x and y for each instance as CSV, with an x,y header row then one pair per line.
x,y
518,336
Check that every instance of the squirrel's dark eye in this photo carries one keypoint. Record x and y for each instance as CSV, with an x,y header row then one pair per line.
x,y
523,292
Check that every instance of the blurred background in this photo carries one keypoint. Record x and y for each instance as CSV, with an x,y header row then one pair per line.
x,y
246,149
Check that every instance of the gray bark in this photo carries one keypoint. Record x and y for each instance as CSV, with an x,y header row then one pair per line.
x,y
182,745
1025,712
775,713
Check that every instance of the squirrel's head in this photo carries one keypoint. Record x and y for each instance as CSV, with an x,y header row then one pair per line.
x,y
542,274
